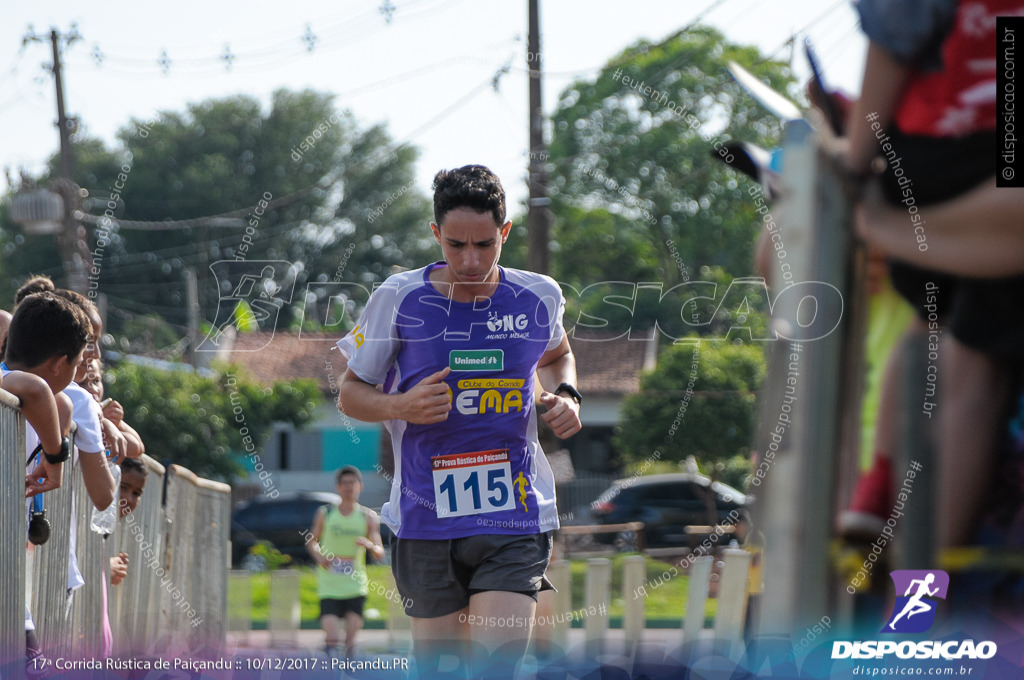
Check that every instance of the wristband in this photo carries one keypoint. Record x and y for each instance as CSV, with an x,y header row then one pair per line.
x,y
571,391
63,455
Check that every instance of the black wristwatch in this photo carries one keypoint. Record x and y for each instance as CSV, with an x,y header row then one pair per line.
x,y
571,391
65,452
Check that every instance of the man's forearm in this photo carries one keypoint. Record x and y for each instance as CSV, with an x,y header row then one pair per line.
x,y
135,446
561,370
977,234
365,402
884,79
99,483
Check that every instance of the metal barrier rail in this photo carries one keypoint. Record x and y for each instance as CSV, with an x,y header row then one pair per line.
x,y
174,599
814,376
47,564
134,606
12,533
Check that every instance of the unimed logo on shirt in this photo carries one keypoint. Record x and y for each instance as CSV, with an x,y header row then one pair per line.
x,y
476,360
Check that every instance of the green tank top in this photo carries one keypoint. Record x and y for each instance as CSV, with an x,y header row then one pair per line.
x,y
346,576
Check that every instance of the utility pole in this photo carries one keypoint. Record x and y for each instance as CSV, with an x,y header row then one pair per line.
x,y
538,220
194,338
67,159
71,240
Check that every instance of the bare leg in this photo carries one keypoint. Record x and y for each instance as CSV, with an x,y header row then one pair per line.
x,y
332,630
353,624
434,638
974,392
510,631
544,627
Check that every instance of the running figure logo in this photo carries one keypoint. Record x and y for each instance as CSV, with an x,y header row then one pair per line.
x,y
914,611
521,483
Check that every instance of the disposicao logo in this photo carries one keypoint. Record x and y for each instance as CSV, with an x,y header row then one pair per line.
x,y
914,612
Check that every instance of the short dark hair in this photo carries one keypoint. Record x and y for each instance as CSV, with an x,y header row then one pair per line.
x,y
44,326
133,465
38,283
471,186
85,303
348,470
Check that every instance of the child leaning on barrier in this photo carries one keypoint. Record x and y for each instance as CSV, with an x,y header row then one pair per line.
x,y
133,472
43,350
133,483
113,412
95,434
928,106
45,409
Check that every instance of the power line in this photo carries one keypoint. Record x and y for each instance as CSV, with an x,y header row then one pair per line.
x,y
227,220
280,52
792,38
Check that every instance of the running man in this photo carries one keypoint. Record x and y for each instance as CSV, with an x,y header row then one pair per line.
x,y
914,604
455,347
341,537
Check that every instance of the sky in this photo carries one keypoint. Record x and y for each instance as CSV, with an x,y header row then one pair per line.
x,y
427,72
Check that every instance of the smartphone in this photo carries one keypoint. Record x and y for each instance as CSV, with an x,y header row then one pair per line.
x,y
829,105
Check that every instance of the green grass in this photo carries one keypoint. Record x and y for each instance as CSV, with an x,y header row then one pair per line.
x,y
664,606
665,603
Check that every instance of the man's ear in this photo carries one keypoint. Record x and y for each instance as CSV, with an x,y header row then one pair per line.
x,y
505,229
437,232
54,365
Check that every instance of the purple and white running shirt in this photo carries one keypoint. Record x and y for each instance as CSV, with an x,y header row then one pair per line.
x,y
482,470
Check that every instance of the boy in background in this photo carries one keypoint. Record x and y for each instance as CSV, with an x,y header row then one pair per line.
x,y
341,537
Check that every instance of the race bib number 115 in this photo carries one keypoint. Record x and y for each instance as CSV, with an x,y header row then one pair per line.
x,y
472,483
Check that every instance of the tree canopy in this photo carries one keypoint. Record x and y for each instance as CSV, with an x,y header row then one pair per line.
x,y
301,182
192,419
636,193
699,401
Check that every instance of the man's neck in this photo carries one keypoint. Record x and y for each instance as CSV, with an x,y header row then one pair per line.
x,y
346,506
462,291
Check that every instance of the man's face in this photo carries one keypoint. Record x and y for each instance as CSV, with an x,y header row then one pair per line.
x,y
471,244
349,487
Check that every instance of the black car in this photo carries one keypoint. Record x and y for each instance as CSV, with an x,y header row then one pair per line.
x,y
283,521
667,504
